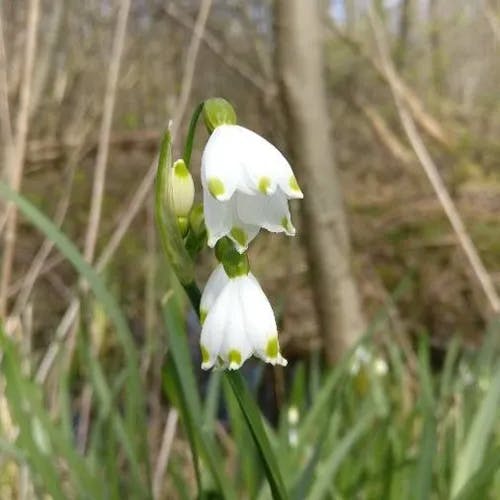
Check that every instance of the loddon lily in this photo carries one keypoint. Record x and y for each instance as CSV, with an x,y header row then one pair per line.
x,y
247,183
238,321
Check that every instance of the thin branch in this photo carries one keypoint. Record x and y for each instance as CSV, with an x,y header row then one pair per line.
x,y
98,187
217,48
38,261
431,169
431,126
164,453
107,118
194,47
16,167
45,58
382,130
129,213
493,19
5,121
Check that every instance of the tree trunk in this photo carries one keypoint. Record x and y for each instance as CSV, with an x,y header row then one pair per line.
x,y
300,71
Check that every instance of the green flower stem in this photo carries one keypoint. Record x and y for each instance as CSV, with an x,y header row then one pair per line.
x,y
183,266
188,147
252,414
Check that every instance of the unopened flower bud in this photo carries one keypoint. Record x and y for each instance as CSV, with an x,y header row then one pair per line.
x,y
182,189
216,112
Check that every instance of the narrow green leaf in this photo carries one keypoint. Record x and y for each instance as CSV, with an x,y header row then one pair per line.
x,y
212,399
482,478
422,483
470,457
187,394
326,470
135,394
254,420
243,440
303,484
24,404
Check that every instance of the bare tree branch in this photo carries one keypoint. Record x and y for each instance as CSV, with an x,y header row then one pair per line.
x,y
16,167
431,170
103,148
131,210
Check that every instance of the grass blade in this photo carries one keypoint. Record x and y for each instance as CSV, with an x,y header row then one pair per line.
x,y
135,402
254,421
329,467
470,458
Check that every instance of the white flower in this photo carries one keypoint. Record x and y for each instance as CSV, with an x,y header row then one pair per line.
x,y
380,367
360,357
293,415
239,322
247,183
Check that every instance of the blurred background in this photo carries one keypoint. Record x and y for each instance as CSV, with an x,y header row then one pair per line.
x,y
389,112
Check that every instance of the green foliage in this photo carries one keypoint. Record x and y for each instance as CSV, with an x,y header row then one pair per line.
x,y
409,433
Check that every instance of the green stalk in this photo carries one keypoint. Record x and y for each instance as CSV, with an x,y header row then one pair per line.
x,y
188,147
176,254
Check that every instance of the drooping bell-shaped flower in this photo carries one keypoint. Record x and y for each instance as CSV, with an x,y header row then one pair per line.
x,y
239,322
247,183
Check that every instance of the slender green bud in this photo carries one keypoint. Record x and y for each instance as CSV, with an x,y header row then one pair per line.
x,y
218,111
235,264
182,189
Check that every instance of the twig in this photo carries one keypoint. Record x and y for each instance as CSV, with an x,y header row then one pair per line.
x,y
217,48
194,47
5,122
164,453
144,187
431,170
38,261
44,59
382,130
107,117
17,161
493,19
431,126
98,186
51,262
129,214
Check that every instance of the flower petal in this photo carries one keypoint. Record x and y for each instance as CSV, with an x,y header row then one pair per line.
x,y
269,212
260,324
242,234
221,219
221,168
215,284
287,181
218,217
212,332
235,348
